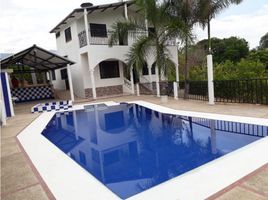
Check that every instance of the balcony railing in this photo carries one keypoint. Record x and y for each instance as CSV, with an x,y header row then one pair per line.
x,y
104,40
82,37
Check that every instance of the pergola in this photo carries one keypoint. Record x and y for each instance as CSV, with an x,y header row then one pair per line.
x,y
39,60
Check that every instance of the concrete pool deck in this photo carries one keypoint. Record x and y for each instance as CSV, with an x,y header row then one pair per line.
x,y
21,181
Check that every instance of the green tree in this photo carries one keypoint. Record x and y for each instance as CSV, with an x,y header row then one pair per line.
x,y
154,43
232,48
264,42
228,70
208,9
259,55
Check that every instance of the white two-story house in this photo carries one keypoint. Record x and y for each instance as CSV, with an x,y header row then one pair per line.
x,y
100,70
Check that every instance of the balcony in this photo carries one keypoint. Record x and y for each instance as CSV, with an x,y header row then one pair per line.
x,y
104,39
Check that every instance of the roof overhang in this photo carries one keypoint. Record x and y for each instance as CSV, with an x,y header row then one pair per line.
x,y
90,10
37,58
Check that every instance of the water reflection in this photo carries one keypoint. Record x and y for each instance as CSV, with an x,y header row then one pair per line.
x,y
130,148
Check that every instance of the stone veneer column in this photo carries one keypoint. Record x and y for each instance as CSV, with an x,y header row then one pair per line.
x,y
93,86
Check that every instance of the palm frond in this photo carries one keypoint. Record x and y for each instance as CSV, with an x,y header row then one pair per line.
x,y
138,52
121,29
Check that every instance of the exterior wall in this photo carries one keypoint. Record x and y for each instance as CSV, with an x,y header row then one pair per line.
x,y
88,57
109,81
70,49
107,86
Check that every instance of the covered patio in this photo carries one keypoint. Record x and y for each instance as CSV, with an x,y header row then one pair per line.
x,y
27,76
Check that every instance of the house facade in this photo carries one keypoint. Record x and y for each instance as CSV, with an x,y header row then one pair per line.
x,y
101,70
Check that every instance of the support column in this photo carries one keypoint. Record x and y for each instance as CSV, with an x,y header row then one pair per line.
x,y
177,72
34,78
93,86
6,96
3,109
50,76
210,80
150,73
126,11
138,89
157,82
70,82
132,80
175,89
86,26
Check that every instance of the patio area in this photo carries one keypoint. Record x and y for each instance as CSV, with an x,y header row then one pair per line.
x,y
20,180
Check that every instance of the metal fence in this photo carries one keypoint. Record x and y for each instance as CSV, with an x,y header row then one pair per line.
x,y
234,127
230,91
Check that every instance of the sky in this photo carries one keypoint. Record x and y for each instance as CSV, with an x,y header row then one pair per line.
x,y
28,22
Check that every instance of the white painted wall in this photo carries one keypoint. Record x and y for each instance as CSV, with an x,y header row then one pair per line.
x,y
90,56
70,49
109,81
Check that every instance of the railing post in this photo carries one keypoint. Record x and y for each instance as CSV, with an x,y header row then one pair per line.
x,y
210,80
175,90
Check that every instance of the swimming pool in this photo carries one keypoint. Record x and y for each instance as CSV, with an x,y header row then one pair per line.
x,y
131,148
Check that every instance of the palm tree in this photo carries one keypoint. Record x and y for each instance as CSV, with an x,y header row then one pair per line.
x,y
153,44
183,18
208,9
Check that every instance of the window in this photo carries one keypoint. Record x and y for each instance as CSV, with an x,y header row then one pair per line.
x,y
53,75
63,74
98,30
68,34
145,70
57,34
109,69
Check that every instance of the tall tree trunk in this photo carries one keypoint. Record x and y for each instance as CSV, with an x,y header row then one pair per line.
x,y
186,71
209,39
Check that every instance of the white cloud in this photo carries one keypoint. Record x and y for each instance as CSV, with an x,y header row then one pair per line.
x,y
28,22
249,26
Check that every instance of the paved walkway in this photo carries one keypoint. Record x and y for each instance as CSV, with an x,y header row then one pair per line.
x,y
20,180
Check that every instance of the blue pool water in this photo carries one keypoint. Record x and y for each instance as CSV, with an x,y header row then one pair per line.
x,y
130,148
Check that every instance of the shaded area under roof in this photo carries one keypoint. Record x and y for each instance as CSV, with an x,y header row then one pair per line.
x,y
37,58
90,10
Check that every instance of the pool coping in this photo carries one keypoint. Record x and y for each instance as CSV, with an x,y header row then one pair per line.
x,y
198,183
